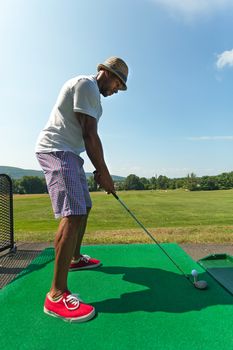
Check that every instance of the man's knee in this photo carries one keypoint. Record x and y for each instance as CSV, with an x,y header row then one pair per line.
x,y
72,220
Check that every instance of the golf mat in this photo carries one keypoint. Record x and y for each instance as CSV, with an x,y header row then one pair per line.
x,y
142,302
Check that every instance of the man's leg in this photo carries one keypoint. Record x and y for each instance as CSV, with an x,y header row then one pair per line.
x,y
59,302
81,231
65,242
62,177
80,262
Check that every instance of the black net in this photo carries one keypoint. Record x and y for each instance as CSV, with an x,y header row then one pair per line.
x,y
6,213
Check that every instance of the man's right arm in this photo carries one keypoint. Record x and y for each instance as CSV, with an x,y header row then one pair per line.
x,y
94,151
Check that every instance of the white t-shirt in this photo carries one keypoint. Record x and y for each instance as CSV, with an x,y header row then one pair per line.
x,y
63,131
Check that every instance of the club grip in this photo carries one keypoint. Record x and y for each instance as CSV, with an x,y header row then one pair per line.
x,y
115,195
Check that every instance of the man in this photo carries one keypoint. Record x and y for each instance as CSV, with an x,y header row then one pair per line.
x,y
71,130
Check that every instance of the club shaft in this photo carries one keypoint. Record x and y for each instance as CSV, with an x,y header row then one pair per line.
x,y
150,235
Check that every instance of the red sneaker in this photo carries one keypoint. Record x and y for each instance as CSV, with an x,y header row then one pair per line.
x,y
69,308
85,262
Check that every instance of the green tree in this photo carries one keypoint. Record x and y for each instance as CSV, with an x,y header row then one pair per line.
x,y
162,182
208,183
119,185
17,187
132,182
153,183
92,185
192,182
225,181
145,182
33,184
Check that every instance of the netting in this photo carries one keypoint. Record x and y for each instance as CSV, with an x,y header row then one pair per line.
x,y
6,213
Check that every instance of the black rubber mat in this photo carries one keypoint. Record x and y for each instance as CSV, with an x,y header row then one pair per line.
x,y
220,267
12,264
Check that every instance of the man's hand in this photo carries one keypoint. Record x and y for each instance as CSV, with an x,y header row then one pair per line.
x,y
104,180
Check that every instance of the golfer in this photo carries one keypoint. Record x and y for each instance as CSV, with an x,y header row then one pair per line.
x,y
71,130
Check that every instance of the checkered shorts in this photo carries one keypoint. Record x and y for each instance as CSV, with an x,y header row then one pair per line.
x,y
66,182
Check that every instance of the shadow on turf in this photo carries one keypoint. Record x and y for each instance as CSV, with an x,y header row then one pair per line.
x,y
164,291
38,263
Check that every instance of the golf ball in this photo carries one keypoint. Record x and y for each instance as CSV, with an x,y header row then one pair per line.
x,y
194,273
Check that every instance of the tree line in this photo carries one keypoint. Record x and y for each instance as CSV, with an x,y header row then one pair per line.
x,y
224,181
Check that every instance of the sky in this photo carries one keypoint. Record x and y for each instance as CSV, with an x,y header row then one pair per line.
x,y
176,117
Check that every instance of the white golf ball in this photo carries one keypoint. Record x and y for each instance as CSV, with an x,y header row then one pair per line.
x,y
194,273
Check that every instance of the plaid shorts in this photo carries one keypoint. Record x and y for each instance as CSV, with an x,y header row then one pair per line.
x,y
66,182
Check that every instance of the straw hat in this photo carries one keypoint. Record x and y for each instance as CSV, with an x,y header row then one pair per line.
x,y
118,67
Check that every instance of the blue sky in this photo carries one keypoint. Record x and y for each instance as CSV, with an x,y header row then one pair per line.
x,y
177,114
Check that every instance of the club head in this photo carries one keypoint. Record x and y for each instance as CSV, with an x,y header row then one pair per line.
x,y
201,284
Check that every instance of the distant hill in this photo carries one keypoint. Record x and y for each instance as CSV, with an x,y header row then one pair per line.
x,y
17,173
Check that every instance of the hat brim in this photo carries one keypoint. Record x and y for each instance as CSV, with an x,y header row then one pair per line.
x,y
102,66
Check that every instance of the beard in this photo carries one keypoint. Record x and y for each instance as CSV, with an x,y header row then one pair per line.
x,y
106,90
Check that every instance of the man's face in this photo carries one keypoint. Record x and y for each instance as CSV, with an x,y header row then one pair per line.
x,y
111,84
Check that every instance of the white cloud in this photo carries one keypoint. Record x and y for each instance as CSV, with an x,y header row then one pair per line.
x,y
210,138
225,59
193,8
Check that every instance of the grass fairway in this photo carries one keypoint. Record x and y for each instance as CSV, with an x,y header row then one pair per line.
x,y
172,216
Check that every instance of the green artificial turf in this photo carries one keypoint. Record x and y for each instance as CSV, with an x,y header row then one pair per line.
x,y
142,302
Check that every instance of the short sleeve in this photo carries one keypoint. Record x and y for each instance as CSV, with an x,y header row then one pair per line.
x,y
86,98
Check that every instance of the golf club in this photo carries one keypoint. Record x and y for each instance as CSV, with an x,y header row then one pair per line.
x,y
196,283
